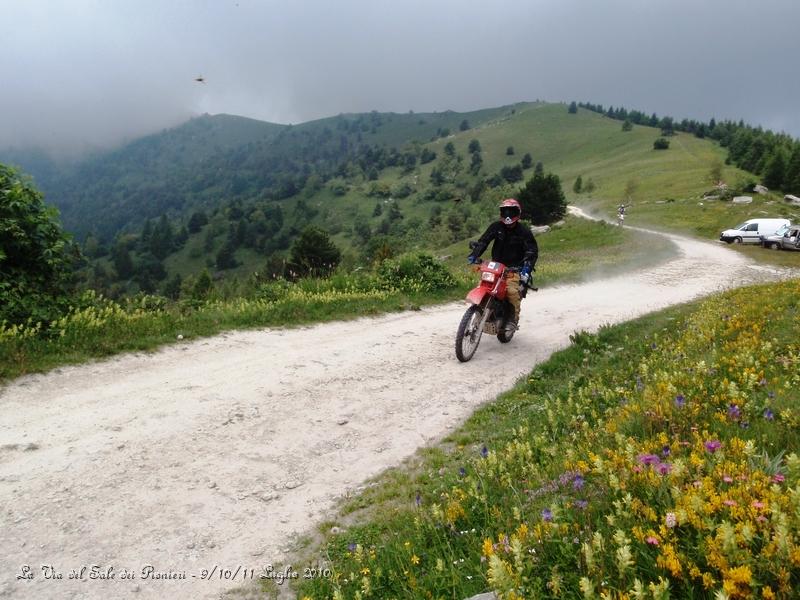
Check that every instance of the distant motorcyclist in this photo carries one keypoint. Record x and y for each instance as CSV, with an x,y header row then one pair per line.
x,y
514,246
621,213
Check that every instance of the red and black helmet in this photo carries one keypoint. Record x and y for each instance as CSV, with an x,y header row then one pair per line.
x,y
510,211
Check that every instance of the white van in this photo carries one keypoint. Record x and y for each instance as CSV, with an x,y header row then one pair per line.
x,y
750,231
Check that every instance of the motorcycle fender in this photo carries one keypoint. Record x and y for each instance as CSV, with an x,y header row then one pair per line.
x,y
477,295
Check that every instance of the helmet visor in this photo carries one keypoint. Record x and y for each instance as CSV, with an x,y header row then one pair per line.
x,y
509,212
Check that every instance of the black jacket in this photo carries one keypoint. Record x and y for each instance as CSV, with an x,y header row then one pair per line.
x,y
513,246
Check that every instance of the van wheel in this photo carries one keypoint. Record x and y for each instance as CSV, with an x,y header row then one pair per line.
x,y
775,246
737,240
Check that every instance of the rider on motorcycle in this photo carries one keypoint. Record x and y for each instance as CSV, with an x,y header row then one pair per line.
x,y
514,246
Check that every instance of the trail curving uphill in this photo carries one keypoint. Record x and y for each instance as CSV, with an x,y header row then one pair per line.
x,y
212,454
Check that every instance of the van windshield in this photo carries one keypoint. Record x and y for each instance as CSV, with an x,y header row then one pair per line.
x,y
783,229
742,226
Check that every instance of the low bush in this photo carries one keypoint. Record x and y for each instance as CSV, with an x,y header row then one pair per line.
x,y
415,272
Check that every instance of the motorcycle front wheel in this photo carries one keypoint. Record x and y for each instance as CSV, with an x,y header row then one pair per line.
x,y
469,333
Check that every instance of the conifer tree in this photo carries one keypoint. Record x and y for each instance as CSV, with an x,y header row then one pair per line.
x,y
542,199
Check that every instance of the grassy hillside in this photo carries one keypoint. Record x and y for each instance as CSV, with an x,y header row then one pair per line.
x,y
364,179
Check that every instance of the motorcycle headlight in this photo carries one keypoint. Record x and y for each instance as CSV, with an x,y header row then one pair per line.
x,y
487,276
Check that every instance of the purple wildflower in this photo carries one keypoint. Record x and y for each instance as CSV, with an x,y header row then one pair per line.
x,y
462,472
734,412
713,445
351,547
578,482
653,346
680,401
418,499
665,451
547,514
663,468
639,384
484,451
582,504
768,414
648,459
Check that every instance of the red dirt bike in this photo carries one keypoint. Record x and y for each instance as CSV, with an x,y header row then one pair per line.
x,y
490,310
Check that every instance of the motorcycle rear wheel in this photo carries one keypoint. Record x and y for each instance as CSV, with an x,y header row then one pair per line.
x,y
469,333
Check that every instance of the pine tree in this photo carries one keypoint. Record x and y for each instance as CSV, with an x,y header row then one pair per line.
x,y
527,161
792,179
476,163
542,199
203,286
313,253
578,185
173,287
197,221
573,108
162,242
123,264
775,170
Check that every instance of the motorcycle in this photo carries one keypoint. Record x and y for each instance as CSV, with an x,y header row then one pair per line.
x,y
490,311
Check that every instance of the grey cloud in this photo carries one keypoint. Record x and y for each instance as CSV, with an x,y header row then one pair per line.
x,y
84,73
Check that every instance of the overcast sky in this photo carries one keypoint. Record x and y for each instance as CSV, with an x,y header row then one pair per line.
x,y
78,73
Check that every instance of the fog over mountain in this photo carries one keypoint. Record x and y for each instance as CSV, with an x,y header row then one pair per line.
x,y
86,73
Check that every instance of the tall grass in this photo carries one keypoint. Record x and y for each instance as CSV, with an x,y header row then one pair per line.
x,y
96,326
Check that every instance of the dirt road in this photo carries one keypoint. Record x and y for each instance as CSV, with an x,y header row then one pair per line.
x,y
212,454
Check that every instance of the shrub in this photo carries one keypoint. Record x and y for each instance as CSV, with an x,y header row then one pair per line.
x,y
415,272
36,256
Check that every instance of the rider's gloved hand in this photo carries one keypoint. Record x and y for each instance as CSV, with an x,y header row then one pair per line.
x,y
473,260
525,272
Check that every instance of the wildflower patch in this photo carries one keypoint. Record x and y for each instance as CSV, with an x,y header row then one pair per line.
x,y
665,468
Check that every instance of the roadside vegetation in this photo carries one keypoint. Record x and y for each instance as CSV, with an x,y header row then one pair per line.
x,y
654,459
93,326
